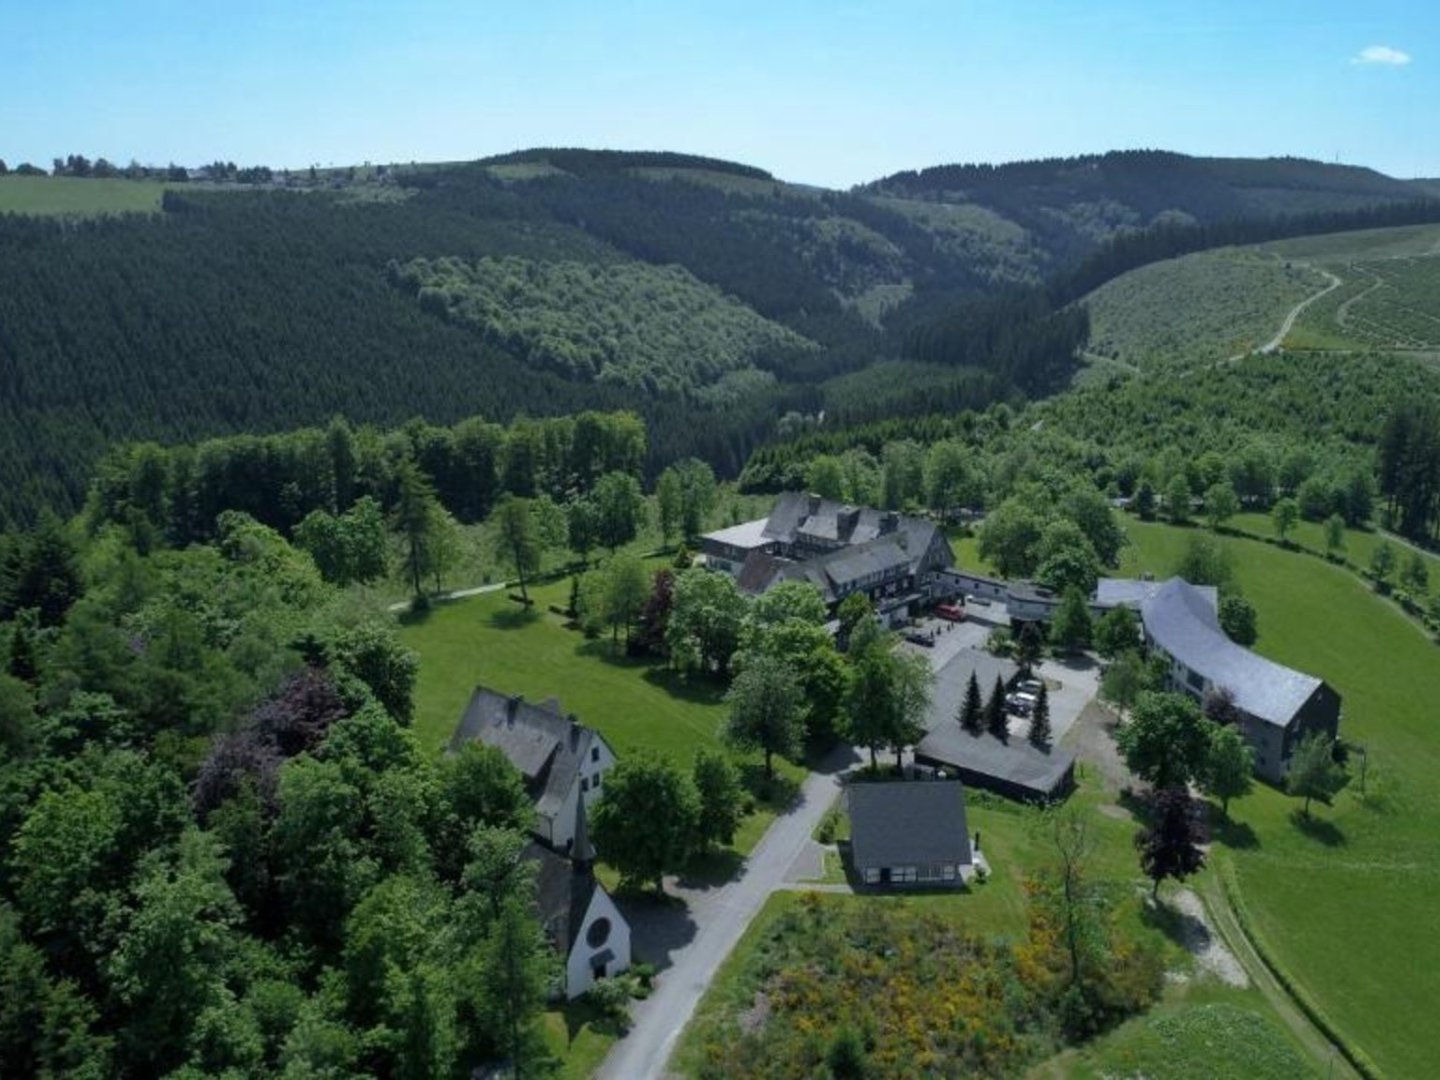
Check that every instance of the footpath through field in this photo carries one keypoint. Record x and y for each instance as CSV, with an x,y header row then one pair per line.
x,y
1275,342
721,917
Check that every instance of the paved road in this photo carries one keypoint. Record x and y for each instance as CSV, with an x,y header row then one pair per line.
x,y
727,911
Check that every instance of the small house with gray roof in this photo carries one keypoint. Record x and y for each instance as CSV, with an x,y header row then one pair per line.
x,y
907,833
563,761
840,549
1278,705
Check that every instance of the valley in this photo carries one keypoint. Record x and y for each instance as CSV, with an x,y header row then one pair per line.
x,y
291,468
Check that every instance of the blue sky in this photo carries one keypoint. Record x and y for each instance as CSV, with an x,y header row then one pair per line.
x,y
829,93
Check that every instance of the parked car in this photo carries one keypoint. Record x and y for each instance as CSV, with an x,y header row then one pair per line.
x,y
1029,686
1020,704
921,637
977,600
950,612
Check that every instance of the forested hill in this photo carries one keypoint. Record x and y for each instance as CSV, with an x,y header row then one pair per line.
x,y
1071,204
709,297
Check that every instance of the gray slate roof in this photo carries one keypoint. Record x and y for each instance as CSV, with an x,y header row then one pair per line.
x,y
908,823
563,890
872,542
541,740
1016,761
1181,619
948,691
1133,592
797,514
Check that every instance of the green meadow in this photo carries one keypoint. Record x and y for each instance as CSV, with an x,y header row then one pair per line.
x,y
1345,902
636,703
71,195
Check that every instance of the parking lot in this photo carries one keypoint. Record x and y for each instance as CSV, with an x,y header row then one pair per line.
x,y
1072,682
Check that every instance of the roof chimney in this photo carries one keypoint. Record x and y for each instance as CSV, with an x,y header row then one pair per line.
x,y
574,731
889,522
814,504
513,706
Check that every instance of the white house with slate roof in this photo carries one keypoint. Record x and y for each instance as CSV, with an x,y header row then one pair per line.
x,y
563,762
1279,705
564,765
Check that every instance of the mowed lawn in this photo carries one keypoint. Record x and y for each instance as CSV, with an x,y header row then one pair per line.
x,y
1347,904
635,704
76,195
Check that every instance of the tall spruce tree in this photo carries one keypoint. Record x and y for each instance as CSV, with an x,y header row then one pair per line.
x,y
996,722
972,709
1040,720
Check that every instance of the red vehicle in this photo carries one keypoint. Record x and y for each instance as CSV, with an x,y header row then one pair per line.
x,y
951,612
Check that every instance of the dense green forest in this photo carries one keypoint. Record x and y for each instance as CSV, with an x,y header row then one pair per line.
x,y
222,852
288,302
1335,437
654,330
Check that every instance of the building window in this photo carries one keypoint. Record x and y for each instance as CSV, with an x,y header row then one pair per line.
x,y
947,872
595,780
595,753
584,784
872,875
598,934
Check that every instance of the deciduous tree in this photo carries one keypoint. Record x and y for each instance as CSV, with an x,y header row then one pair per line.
x,y
1165,741
1071,628
644,822
706,616
1117,632
1285,515
1238,619
1229,766
517,540
1314,772
1221,504
766,712
620,509
717,782
1170,846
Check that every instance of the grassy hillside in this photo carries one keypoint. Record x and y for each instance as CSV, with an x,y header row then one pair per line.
x,y
71,196
1205,307
1196,310
1358,873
